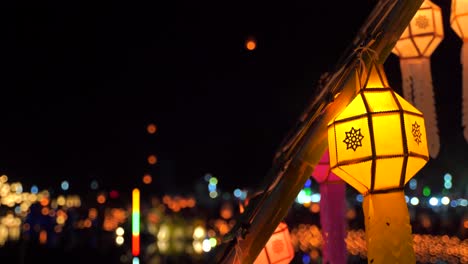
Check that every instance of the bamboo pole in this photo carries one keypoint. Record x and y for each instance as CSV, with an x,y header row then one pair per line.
x,y
302,150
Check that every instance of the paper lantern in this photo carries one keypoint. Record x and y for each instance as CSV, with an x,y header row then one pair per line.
x,y
459,24
332,211
278,249
414,48
377,143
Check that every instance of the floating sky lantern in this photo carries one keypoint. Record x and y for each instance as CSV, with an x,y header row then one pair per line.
x,y
332,211
377,144
414,48
278,249
459,24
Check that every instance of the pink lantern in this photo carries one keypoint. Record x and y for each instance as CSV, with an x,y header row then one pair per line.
x,y
278,249
332,211
322,171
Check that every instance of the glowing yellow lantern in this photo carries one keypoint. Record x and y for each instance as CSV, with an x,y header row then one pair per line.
x,y
278,249
414,48
459,24
376,144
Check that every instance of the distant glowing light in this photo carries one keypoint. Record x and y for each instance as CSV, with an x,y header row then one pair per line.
x,y
413,184
454,203
251,44
359,198
305,259
94,185
462,202
34,189
101,198
434,201
445,200
207,177
119,240
426,191
199,233
414,201
206,245
406,199
243,195
213,180
197,247
448,185
211,187
3,178
119,231
152,159
114,194
151,128
302,197
147,179
213,194
315,198
65,185
237,193
308,183
213,242
135,222
447,177
135,260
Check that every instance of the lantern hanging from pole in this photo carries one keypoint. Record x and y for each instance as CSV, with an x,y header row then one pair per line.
x,y
414,48
459,24
377,144
332,211
278,249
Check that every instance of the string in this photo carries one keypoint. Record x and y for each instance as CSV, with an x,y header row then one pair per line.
x,y
238,249
362,69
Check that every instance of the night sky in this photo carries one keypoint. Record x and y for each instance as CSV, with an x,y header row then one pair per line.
x,y
84,78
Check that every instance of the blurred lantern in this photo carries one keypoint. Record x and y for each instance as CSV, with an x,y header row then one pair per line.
x,y
377,143
459,24
332,211
414,48
278,249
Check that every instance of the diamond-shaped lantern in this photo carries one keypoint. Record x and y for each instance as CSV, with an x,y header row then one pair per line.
x,y
379,141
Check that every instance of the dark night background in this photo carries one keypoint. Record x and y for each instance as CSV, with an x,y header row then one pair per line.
x,y
82,79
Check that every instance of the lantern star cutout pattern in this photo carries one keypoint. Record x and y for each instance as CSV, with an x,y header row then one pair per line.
x,y
416,132
353,139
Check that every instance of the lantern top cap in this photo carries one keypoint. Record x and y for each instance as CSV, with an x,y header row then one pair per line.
x,y
375,77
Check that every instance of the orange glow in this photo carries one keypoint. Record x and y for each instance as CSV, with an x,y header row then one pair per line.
x,y
251,44
152,159
135,245
45,211
44,201
314,254
151,128
101,198
147,179
465,224
87,223
42,237
92,214
315,208
58,229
